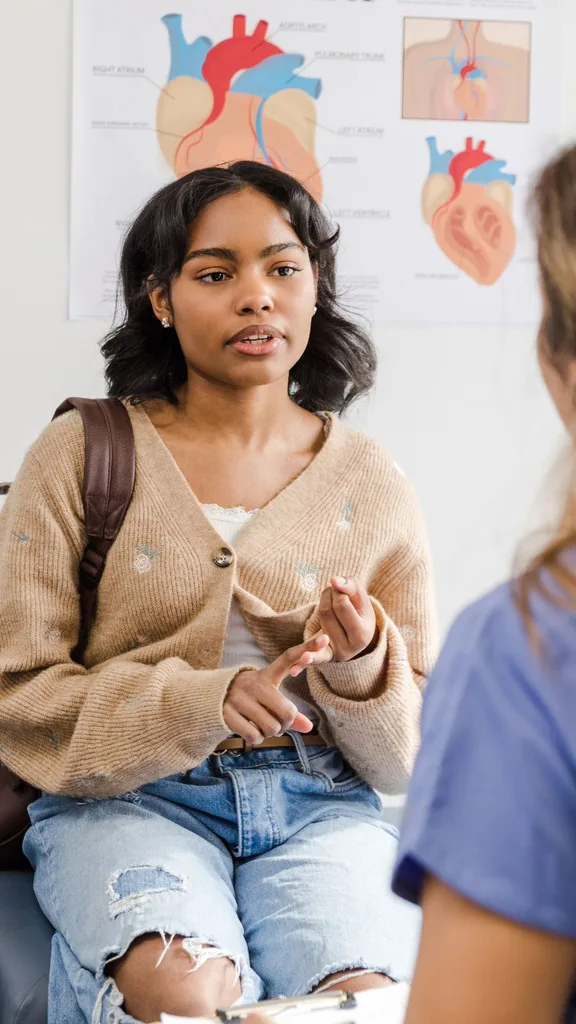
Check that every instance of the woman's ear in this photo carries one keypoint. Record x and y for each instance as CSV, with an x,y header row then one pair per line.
x,y
159,300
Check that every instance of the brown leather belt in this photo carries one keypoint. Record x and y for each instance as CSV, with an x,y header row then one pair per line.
x,y
310,739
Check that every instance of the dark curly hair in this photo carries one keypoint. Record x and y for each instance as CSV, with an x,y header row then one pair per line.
x,y
144,360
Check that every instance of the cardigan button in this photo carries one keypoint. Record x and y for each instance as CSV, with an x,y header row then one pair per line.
x,y
223,558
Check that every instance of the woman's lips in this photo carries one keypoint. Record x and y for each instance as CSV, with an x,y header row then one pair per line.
x,y
257,340
256,348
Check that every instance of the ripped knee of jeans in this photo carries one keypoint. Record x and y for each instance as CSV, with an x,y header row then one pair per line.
x,y
108,1006
138,891
201,952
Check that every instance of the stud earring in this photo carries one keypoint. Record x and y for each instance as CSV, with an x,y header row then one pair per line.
x,y
315,310
165,322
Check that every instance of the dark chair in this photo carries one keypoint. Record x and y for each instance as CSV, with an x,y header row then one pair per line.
x,y
25,937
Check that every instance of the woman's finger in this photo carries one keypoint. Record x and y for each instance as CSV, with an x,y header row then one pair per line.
x,y
280,668
241,726
277,704
354,590
348,618
325,602
318,658
252,709
302,724
333,627
329,621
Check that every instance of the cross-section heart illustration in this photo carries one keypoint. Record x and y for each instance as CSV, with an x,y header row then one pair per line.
x,y
239,99
467,200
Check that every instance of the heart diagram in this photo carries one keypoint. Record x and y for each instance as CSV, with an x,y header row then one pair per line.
x,y
238,99
467,70
467,200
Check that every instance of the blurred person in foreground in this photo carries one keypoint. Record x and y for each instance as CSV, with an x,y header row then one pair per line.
x,y
488,846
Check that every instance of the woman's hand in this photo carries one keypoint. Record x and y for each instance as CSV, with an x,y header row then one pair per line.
x,y
347,615
254,707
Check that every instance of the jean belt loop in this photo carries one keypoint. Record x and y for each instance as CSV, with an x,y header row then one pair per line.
x,y
216,760
301,751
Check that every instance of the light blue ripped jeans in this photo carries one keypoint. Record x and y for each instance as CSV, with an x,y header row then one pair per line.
x,y
278,859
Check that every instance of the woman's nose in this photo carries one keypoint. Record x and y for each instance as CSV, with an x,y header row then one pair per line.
x,y
260,305
255,300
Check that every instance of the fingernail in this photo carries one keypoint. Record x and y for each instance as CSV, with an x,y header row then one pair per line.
x,y
341,581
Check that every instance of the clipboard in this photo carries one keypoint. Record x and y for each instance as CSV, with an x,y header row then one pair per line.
x,y
374,1006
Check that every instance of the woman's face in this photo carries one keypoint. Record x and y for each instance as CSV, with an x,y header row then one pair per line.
x,y
244,300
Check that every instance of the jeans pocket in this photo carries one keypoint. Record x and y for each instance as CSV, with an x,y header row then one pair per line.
x,y
336,772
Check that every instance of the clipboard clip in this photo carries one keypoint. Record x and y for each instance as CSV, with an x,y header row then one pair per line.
x,y
280,1007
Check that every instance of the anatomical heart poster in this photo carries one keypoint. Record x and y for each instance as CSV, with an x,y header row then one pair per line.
x,y
419,126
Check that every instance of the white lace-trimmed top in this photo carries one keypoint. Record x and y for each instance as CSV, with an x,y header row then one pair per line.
x,y
240,647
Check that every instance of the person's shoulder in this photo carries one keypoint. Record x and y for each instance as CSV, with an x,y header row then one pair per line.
x,y
371,456
61,446
387,499
499,623
55,457
52,469
490,628
67,430
494,647
63,440
364,445
492,613
60,439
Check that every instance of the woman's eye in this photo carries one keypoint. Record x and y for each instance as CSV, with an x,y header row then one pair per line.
x,y
218,276
286,271
214,277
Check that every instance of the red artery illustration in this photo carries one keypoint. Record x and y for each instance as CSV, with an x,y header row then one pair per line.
x,y
466,161
230,56
471,64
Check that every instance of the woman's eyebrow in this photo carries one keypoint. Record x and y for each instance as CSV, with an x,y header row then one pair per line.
x,y
219,253
216,253
273,250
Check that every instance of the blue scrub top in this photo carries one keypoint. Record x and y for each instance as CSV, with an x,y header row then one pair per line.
x,y
491,809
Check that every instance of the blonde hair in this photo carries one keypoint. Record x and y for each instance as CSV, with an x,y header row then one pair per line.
x,y
554,205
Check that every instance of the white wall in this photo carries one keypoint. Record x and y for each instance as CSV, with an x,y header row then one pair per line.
x,y
461,409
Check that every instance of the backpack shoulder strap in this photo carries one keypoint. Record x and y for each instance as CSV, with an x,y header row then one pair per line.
x,y
109,475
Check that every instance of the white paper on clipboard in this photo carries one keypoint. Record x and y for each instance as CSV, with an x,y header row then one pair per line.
x,y
376,1006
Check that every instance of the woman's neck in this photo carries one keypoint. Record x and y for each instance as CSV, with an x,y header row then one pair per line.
x,y
257,418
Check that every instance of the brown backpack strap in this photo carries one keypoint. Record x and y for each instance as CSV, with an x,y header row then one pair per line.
x,y
109,475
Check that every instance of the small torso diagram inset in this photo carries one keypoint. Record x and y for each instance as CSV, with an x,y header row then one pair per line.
x,y
464,70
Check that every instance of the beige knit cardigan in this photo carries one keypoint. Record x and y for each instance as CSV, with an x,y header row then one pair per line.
x,y
148,702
